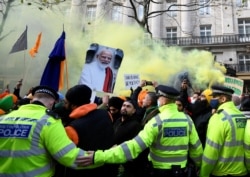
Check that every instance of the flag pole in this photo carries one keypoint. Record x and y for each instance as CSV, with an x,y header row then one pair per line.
x,y
24,62
67,76
66,66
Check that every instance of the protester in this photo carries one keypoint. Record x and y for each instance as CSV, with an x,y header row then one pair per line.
x,y
185,85
224,153
171,137
236,100
17,89
138,96
90,128
180,104
150,104
201,113
113,105
32,138
195,97
245,106
127,127
7,103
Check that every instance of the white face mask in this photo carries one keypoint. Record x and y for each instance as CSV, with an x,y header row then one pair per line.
x,y
192,100
158,103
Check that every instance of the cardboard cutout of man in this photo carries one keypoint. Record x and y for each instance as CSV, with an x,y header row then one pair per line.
x,y
101,67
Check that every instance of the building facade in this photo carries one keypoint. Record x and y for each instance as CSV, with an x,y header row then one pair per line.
x,y
219,26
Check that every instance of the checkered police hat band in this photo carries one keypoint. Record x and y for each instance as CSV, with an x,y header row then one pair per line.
x,y
222,92
45,91
160,93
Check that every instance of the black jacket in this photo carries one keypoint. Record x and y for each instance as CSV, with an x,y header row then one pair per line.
x,y
95,131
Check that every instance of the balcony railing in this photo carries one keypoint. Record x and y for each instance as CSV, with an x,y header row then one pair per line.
x,y
197,40
238,67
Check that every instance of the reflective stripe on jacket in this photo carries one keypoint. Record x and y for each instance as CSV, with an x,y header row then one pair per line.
x,y
224,152
169,135
30,140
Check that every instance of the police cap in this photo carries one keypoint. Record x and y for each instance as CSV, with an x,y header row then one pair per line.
x,y
168,92
221,90
45,89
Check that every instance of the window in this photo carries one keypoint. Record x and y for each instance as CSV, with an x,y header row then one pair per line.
x,y
241,3
204,7
244,26
117,13
140,12
171,35
244,63
244,29
172,9
205,33
91,12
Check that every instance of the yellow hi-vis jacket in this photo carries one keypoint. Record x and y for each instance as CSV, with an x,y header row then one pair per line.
x,y
247,145
224,152
30,140
170,136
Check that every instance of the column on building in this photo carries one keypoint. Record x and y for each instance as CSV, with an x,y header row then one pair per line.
x,y
127,11
156,21
102,10
186,19
228,20
76,12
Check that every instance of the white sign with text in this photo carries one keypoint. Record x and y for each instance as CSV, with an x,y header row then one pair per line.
x,y
132,81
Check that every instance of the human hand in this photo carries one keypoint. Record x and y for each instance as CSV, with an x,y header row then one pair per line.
x,y
19,84
155,84
105,100
184,85
143,83
7,89
84,161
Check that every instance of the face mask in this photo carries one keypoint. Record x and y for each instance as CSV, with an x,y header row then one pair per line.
x,y
214,103
192,100
158,103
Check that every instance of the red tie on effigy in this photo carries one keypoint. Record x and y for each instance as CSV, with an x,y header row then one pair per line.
x,y
107,86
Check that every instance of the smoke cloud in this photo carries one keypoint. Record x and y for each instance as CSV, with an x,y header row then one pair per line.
x,y
154,62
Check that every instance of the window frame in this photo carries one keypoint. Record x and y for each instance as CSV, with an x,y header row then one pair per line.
x,y
206,10
91,12
172,39
116,14
206,38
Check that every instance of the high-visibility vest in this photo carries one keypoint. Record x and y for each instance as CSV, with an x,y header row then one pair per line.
x,y
224,152
170,136
247,144
30,140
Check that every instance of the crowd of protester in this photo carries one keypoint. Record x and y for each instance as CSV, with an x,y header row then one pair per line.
x,y
116,119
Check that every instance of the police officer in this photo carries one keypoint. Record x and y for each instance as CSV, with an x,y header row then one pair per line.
x,y
247,144
170,136
224,152
30,138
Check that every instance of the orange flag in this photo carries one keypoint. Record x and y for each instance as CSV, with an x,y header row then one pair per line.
x,y
37,45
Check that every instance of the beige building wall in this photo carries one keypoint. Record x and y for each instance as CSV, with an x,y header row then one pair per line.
x,y
223,18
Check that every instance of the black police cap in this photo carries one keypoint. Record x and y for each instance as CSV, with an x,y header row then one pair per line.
x,y
47,90
219,89
166,91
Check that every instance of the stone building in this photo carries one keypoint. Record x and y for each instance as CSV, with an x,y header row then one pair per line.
x,y
219,26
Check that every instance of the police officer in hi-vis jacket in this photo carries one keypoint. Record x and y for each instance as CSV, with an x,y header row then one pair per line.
x,y
224,148
32,138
